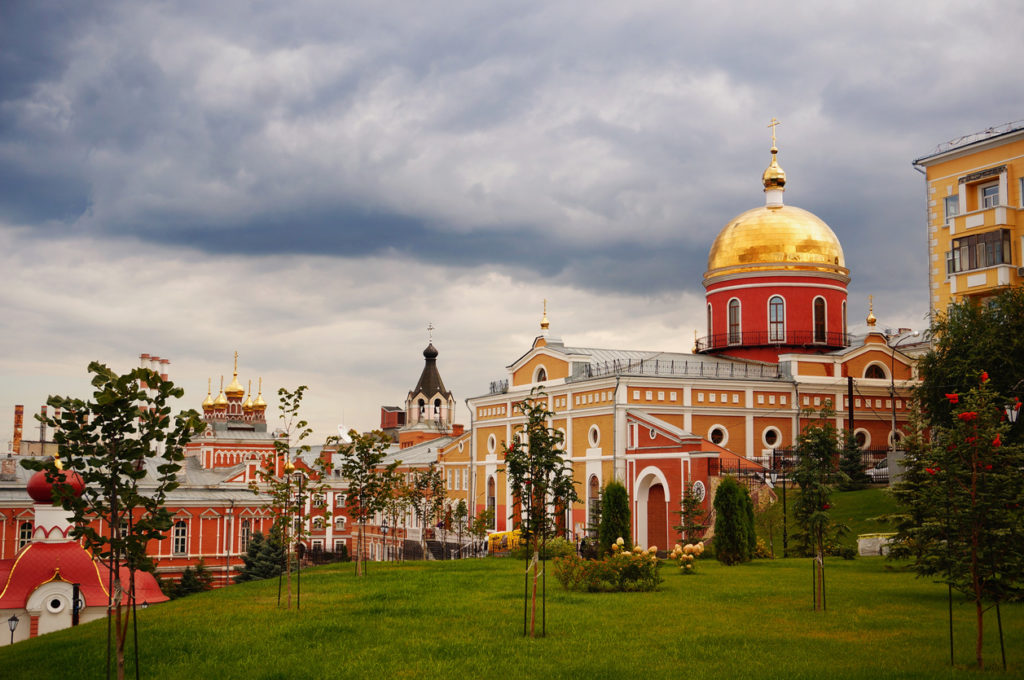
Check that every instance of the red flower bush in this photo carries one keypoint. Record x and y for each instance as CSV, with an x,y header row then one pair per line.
x,y
953,398
984,376
997,442
968,416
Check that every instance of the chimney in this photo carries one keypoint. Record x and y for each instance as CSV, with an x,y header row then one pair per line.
x,y
19,418
42,428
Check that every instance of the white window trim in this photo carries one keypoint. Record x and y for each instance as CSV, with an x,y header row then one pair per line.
x,y
739,322
725,434
771,338
594,436
764,437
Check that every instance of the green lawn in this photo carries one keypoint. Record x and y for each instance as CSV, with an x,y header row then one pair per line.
x,y
464,620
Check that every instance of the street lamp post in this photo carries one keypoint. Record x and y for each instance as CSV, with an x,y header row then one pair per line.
x,y
384,531
12,623
892,393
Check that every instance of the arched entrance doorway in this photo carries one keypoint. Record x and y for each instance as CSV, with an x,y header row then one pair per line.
x,y
657,516
651,507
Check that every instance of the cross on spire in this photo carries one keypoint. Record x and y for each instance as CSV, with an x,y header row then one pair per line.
x,y
774,122
430,332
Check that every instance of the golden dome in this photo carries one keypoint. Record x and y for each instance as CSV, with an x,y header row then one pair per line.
x,y
774,177
773,238
208,402
247,406
221,401
259,404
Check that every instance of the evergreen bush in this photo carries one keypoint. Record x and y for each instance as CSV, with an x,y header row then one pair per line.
x,y
615,517
734,524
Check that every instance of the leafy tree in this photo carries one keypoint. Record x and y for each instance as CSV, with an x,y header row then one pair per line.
x,y
615,517
361,467
767,519
194,580
968,338
692,516
426,494
287,487
817,445
733,522
540,480
481,524
397,503
964,492
107,442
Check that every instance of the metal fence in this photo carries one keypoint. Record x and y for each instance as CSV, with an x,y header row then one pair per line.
x,y
770,338
696,368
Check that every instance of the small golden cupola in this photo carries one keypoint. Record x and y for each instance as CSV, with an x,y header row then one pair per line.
x,y
774,177
544,323
259,404
235,389
221,402
208,402
871,312
248,405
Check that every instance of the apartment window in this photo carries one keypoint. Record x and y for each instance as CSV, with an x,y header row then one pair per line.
x,y
24,534
776,319
989,195
979,250
735,336
952,207
179,544
819,319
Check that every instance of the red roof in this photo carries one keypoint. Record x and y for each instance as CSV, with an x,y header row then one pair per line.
x,y
40,563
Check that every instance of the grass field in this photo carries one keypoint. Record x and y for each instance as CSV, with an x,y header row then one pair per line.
x,y
464,620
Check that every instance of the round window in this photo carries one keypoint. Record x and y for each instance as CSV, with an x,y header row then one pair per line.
x,y
861,438
652,434
699,491
492,443
55,605
718,435
594,436
771,437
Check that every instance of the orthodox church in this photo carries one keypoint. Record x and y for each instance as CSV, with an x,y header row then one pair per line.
x,y
777,351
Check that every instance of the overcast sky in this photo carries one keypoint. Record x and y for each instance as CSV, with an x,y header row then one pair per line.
x,y
312,183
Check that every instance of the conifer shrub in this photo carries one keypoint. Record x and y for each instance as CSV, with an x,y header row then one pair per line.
x,y
734,523
615,517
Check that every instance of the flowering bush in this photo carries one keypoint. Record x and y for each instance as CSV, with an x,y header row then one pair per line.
x,y
686,556
624,570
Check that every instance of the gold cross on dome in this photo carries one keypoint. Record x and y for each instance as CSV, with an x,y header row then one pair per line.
x,y
774,122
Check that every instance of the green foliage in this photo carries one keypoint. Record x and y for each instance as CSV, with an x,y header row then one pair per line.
x,y
851,464
535,465
735,538
615,517
693,519
263,559
108,442
968,338
552,548
620,572
767,522
481,524
193,581
963,494
369,484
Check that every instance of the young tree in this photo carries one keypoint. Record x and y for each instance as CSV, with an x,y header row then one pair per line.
x,y
615,517
817,445
426,494
460,514
851,464
397,505
965,490
286,486
767,519
733,522
540,480
362,468
481,524
692,516
107,442
263,559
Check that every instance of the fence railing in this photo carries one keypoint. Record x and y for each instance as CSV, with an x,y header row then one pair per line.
x,y
770,338
676,367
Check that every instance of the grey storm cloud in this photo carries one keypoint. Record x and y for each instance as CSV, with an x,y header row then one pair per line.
x,y
599,144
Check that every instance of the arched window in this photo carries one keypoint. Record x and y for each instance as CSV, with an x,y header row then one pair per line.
x,y
492,502
423,406
845,332
710,326
180,538
776,319
819,319
437,408
874,371
735,334
24,534
246,535
542,375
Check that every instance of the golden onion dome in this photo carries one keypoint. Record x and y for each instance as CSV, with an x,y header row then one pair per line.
x,y
235,389
208,402
259,404
776,237
221,401
774,177
247,406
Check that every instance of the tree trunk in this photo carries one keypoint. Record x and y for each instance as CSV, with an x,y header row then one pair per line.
x,y
533,602
119,629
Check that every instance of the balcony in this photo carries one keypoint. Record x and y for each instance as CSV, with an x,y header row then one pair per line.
x,y
721,341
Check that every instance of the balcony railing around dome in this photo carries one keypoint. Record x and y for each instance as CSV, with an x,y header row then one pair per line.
x,y
828,340
696,368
